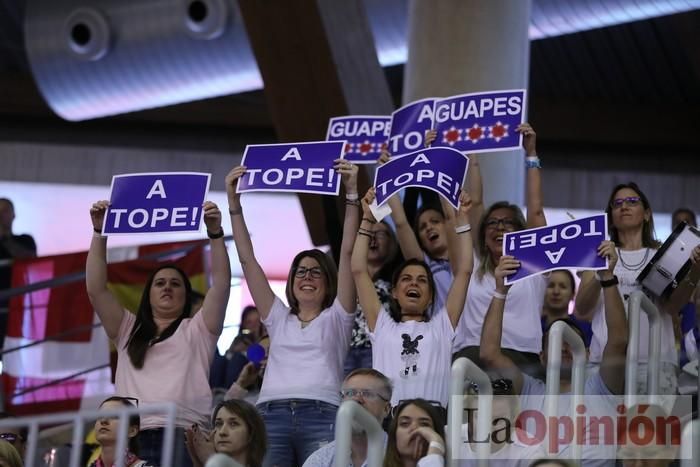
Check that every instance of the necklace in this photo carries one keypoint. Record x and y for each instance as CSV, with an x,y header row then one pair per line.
x,y
633,267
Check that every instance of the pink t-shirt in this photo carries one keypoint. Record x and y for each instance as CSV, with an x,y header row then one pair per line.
x,y
175,370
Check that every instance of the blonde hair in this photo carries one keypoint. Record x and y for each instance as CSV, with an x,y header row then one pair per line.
x,y
9,454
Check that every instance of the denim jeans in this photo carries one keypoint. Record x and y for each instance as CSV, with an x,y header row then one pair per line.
x,y
295,429
151,447
358,357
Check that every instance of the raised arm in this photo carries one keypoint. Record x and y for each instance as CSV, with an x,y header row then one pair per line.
x,y
588,295
346,284
410,248
105,304
453,252
259,287
214,306
612,366
476,191
535,205
366,293
462,261
490,346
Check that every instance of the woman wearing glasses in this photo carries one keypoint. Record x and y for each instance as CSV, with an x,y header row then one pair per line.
x,y
522,334
107,430
164,355
309,338
631,228
416,436
411,342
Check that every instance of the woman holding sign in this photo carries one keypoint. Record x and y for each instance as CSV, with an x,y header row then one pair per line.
x,y
522,334
631,228
412,346
309,338
163,354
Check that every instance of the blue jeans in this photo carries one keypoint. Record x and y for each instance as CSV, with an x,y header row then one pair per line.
x,y
151,446
295,429
358,357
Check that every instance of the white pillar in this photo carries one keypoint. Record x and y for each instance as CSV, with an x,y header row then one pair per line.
x,y
463,46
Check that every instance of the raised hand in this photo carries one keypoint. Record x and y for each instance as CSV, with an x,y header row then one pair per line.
x,y
199,444
212,217
384,157
507,265
231,181
249,374
430,137
366,201
529,139
348,172
97,213
465,205
607,249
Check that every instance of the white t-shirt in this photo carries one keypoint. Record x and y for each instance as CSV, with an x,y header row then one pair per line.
x,y
306,363
442,275
175,370
522,330
598,401
629,284
415,355
515,454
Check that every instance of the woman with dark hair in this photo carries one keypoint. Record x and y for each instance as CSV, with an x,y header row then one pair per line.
x,y
631,229
382,259
251,324
412,341
163,354
561,288
239,432
522,334
107,429
416,436
309,339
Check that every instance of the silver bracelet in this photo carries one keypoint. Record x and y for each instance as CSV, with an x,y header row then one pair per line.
x,y
499,295
463,228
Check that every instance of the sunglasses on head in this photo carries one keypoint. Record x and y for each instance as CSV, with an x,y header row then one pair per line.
x,y
394,410
131,400
499,386
10,437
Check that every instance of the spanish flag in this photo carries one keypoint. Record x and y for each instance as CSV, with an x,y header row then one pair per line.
x,y
60,355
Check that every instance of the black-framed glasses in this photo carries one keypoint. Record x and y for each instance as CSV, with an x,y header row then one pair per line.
x,y
366,394
508,223
10,437
617,203
301,271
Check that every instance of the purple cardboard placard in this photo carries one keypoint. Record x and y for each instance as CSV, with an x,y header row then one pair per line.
x,y
480,122
292,167
572,244
408,126
158,202
439,169
365,136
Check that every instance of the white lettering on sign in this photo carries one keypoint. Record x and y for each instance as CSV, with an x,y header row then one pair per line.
x,y
567,232
157,189
477,108
420,159
411,140
293,153
348,128
154,218
426,113
294,176
554,257
443,182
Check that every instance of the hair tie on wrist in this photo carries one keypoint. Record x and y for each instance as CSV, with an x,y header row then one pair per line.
x,y
214,236
99,231
235,212
463,228
499,295
352,196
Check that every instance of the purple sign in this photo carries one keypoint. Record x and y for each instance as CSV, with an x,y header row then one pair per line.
x,y
408,126
480,122
295,167
439,169
572,244
365,136
156,203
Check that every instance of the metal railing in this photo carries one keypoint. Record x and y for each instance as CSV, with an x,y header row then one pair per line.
x,y
80,418
350,414
464,370
639,302
690,440
558,333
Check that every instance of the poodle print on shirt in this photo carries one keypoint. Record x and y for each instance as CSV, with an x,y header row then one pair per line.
x,y
410,355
